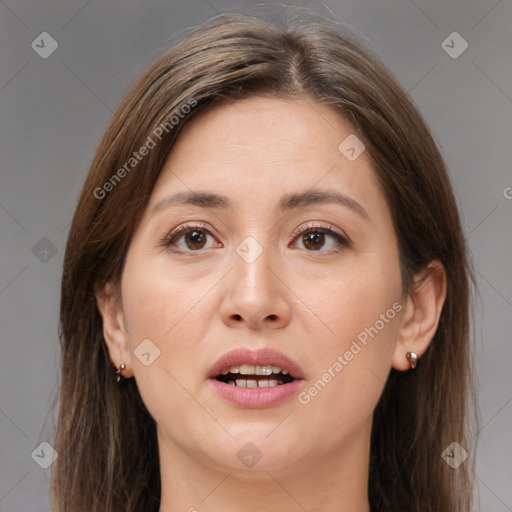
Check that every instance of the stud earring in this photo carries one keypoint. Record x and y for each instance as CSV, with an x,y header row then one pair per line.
x,y
118,372
412,357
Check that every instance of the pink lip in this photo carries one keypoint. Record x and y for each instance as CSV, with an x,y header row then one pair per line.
x,y
253,398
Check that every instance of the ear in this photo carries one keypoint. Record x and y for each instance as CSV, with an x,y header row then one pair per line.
x,y
109,305
421,314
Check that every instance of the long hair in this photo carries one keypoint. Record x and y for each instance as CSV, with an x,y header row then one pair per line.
x,y
106,439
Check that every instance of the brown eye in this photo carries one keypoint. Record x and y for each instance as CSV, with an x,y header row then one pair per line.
x,y
313,240
195,239
322,239
189,239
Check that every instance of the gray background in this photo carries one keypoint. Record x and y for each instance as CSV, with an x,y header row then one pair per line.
x,y
54,111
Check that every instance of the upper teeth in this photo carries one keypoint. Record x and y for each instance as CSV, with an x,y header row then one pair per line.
x,y
248,369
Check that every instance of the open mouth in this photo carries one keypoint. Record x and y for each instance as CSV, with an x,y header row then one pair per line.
x,y
249,376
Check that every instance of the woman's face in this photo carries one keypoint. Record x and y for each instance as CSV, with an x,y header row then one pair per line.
x,y
284,242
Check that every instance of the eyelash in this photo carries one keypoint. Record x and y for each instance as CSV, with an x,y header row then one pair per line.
x,y
342,240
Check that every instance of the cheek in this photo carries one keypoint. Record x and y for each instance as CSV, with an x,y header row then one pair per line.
x,y
160,307
158,301
360,316
344,303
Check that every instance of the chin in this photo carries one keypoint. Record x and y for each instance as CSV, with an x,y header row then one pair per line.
x,y
255,451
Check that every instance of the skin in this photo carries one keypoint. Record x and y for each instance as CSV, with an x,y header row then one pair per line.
x,y
309,304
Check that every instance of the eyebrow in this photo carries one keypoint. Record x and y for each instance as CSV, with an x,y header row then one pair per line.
x,y
288,201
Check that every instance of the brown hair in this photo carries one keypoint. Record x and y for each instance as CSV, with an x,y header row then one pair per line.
x,y
106,439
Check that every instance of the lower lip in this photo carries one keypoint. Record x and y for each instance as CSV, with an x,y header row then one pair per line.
x,y
256,398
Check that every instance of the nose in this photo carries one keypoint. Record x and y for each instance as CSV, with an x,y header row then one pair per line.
x,y
255,295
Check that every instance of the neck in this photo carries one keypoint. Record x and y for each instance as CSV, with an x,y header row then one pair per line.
x,y
336,481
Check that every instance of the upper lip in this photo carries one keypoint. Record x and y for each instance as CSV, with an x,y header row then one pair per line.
x,y
261,357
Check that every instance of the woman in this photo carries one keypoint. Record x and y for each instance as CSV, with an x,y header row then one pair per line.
x,y
265,290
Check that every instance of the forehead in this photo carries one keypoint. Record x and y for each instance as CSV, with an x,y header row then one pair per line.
x,y
261,144
275,123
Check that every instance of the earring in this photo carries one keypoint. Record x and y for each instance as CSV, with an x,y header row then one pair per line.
x,y
118,372
412,357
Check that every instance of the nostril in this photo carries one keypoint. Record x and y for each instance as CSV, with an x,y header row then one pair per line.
x,y
272,317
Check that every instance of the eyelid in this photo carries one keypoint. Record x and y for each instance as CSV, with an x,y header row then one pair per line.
x,y
326,228
184,228
312,225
